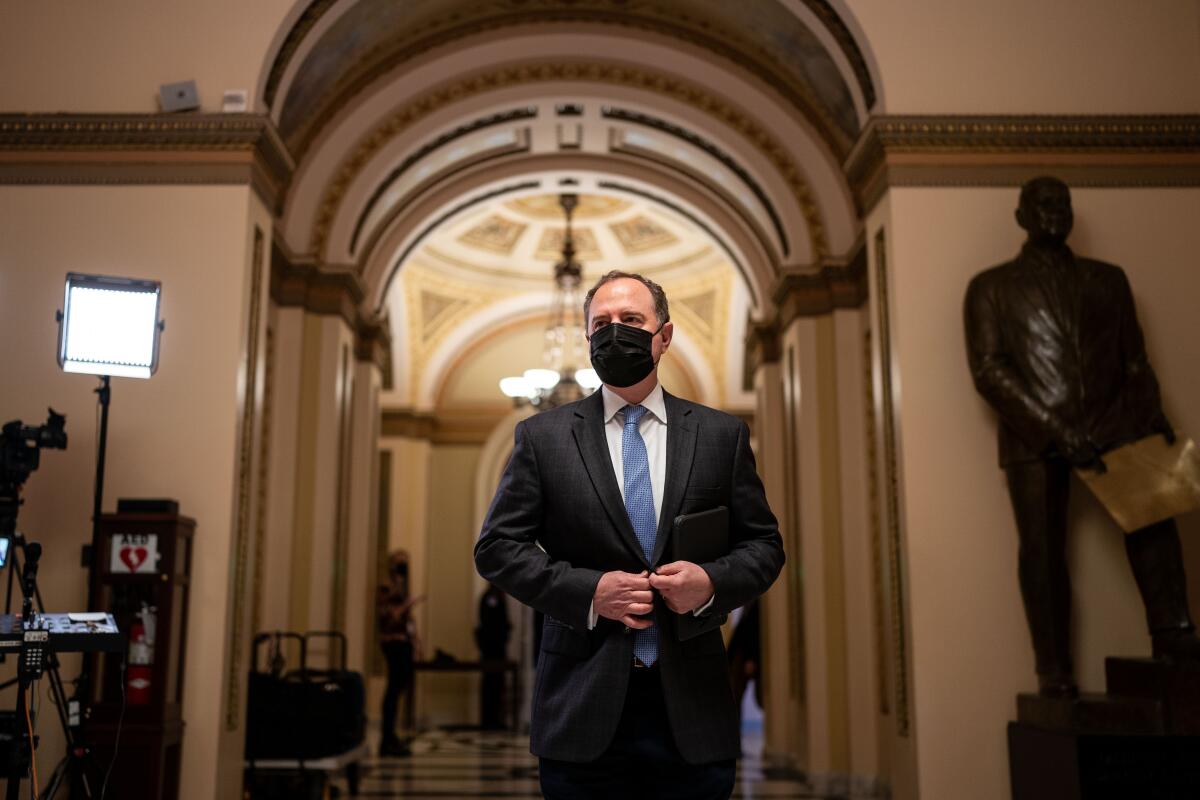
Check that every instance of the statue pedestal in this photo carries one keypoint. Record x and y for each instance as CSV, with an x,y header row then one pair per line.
x,y
1175,686
1140,740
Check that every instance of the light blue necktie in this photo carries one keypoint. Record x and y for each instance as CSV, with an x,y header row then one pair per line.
x,y
639,503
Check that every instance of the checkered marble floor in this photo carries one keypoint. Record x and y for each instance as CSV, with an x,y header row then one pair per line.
x,y
476,764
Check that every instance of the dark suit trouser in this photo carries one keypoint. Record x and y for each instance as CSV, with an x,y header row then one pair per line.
x,y
1039,491
642,761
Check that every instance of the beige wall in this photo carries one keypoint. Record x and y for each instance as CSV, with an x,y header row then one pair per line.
x,y
241,568
363,496
171,436
328,350
275,591
970,648
104,57
810,399
451,604
859,553
898,727
1024,56
784,712
1030,56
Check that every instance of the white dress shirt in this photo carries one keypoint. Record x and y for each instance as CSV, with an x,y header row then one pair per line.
x,y
653,428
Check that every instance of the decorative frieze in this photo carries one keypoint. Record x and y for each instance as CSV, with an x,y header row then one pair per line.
x,y
333,292
762,347
810,293
454,427
1006,150
120,149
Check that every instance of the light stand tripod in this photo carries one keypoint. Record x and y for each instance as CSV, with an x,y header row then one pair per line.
x,y
103,395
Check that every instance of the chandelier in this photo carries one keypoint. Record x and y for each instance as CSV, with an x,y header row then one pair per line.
x,y
560,379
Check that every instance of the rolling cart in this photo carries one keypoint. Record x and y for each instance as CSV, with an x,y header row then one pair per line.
x,y
304,723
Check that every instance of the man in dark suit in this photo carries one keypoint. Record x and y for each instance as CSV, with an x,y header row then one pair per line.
x,y
580,529
1055,347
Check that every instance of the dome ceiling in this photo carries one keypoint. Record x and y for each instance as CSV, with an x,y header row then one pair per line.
x,y
521,239
484,279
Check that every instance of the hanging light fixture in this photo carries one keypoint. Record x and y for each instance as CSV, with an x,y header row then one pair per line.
x,y
561,378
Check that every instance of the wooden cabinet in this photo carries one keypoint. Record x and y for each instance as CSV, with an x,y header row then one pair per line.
x,y
144,582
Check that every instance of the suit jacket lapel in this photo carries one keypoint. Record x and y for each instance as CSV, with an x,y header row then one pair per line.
x,y
681,448
593,448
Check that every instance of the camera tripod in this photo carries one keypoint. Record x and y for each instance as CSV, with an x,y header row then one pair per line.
x,y
36,656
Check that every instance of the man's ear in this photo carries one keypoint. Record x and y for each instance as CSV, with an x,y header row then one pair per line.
x,y
1020,215
668,330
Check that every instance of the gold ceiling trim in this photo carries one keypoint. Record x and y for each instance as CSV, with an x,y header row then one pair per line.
x,y
434,305
426,336
550,244
709,334
540,278
495,234
641,235
558,71
1007,150
548,207
763,346
145,149
818,293
470,426
656,18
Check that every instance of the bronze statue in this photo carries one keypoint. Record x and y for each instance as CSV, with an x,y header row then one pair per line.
x,y
1055,347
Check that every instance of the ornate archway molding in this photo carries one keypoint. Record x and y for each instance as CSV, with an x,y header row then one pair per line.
x,y
405,233
741,48
296,284
593,72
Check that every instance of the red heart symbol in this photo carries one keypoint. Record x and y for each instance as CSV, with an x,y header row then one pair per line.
x,y
133,557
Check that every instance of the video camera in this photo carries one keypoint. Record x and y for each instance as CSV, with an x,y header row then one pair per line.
x,y
20,454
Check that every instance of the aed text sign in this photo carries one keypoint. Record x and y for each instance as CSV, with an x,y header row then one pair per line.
x,y
134,553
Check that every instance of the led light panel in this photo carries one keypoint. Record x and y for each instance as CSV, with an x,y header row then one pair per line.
x,y
109,326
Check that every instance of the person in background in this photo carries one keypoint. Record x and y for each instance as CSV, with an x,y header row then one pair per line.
x,y
745,655
398,638
492,638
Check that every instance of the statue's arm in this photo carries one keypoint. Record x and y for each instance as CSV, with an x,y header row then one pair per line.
x,y
1002,386
1141,382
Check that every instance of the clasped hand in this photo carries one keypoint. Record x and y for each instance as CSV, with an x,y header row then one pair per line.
x,y
627,597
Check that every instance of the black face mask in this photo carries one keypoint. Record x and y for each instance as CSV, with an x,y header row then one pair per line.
x,y
623,355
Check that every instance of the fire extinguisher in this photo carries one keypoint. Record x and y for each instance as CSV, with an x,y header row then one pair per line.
x,y
140,668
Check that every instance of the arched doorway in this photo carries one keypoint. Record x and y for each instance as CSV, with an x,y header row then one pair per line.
x,y
430,141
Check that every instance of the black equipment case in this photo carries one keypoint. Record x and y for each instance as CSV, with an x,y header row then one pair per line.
x,y
302,713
